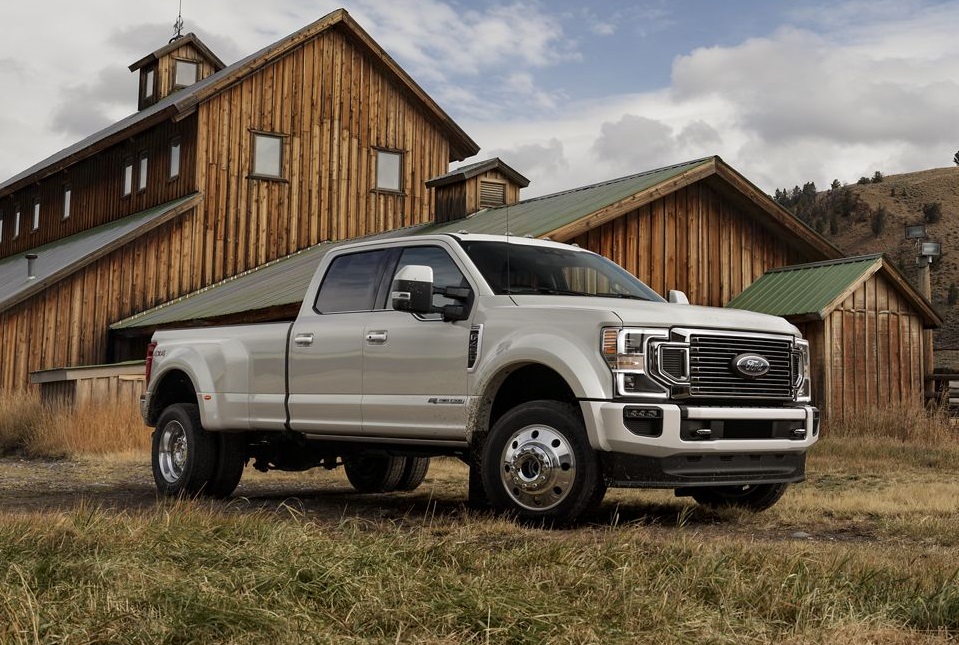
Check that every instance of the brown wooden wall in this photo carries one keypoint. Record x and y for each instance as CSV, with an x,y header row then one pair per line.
x,y
97,188
334,106
868,352
67,325
693,240
166,68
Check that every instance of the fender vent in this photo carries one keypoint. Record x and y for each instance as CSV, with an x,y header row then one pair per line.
x,y
476,337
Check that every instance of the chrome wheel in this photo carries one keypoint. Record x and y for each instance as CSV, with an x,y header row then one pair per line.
x,y
173,451
538,467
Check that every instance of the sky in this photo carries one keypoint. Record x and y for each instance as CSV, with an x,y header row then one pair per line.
x,y
567,93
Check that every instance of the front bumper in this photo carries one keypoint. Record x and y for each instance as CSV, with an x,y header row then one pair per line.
x,y
670,445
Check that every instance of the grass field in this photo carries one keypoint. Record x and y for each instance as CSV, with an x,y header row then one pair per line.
x,y
865,551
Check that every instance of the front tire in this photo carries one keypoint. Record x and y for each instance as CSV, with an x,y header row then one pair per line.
x,y
183,453
751,497
538,464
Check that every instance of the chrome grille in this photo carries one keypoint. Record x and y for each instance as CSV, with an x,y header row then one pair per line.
x,y
712,374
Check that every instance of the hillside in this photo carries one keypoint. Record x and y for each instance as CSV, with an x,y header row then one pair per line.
x,y
847,217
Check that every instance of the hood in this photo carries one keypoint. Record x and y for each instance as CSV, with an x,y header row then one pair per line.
x,y
639,313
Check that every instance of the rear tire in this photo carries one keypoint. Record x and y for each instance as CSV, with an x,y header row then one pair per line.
x,y
374,473
538,464
751,497
413,473
183,453
230,461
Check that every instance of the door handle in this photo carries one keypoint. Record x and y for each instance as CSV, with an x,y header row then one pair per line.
x,y
303,340
376,337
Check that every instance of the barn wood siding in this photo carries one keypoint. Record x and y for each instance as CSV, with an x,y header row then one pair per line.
x,y
694,240
873,351
97,186
334,105
68,324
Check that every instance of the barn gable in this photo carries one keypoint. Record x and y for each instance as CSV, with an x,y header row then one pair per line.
x,y
864,322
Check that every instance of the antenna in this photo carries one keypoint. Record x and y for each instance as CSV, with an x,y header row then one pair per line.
x,y
509,276
178,25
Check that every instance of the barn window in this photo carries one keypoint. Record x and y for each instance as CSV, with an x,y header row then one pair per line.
x,y
127,177
67,192
16,223
389,170
267,155
174,159
36,214
492,193
1,226
142,176
187,72
149,84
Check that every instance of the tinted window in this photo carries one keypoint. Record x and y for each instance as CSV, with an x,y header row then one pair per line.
x,y
550,270
351,283
445,271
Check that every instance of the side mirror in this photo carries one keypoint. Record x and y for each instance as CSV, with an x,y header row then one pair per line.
x,y
677,297
413,289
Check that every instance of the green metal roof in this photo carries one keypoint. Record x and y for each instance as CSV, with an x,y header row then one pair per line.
x,y
277,283
542,215
62,257
805,289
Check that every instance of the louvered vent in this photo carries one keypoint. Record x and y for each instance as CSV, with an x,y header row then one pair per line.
x,y
492,194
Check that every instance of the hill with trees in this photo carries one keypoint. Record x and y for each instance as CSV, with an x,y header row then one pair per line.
x,y
870,216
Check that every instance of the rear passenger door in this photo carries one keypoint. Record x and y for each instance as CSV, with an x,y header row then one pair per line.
x,y
327,342
415,366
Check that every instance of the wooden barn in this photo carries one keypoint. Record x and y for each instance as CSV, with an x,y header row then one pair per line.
x,y
864,322
320,136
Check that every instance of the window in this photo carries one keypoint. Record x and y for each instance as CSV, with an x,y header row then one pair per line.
x,y
127,177
16,223
149,80
36,214
186,73
67,192
1,227
388,170
492,193
174,158
142,176
445,271
267,155
351,283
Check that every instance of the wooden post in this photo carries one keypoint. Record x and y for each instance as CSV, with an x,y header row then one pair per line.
x,y
928,360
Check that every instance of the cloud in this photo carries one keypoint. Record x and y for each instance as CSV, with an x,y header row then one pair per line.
x,y
535,160
108,98
636,141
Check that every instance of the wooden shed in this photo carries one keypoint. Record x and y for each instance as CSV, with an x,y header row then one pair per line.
x,y
864,322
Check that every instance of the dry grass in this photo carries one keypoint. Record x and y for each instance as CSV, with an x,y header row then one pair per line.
x,y
865,551
34,430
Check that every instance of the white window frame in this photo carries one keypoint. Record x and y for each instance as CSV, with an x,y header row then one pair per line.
x,y
36,214
263,167
67,197
389,170
16,223
181,63
143,167
175,147
149,81
128,177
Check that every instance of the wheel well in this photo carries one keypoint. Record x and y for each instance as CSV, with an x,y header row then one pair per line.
x,y
528,383
174,387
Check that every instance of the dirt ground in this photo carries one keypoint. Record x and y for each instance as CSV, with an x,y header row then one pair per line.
x,y
126,485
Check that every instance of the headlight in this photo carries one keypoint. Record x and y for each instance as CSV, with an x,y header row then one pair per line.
x,y
627,351
802,385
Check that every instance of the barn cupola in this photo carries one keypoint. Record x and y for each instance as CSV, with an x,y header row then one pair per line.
x,y
181,63
468,189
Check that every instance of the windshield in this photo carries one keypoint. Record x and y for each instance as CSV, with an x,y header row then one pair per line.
x,y
529,269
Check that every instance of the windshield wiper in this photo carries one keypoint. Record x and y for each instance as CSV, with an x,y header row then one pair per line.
x,y
628,296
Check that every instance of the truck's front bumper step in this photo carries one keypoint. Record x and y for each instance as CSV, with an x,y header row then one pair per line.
x,y
622,470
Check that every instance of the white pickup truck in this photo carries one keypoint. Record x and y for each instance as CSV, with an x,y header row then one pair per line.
x,y
551,371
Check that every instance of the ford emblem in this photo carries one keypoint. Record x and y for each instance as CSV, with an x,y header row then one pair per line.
x,y
750,365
